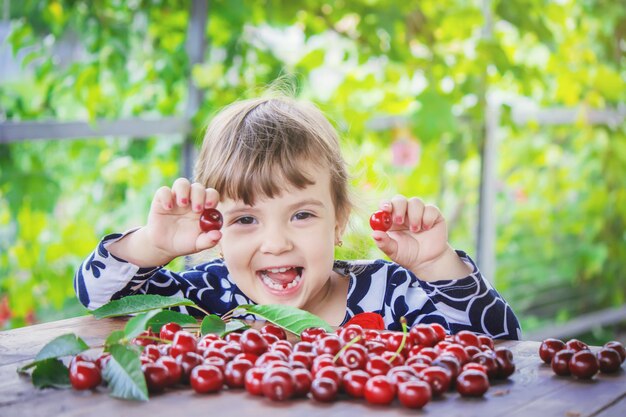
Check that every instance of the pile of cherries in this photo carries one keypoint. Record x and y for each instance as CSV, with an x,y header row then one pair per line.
x,y
378,366
575,358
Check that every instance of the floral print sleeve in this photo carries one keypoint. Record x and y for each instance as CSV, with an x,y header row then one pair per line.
x,y
102,277
469,303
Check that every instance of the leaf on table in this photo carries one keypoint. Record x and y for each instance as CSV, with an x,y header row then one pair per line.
x,y
169,316
51,373
212,324
289,318
64,345
233,326
138,304
123,374
113,338
139,323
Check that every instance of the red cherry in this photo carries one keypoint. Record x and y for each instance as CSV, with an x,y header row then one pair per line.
x,y
354,382
235,372
157,376
354,357
485,341
381,220
438,378
233,337
439,330
324,389
424,335
414,393
467,338
206,378
379,390
84,375
608,360
329,372
377,365
349,333
548,349
168,331
560,362
277,384
472,383
576,345
506,367
253,342
188,361
618,347
311,334
301,360
302,380
253,381
211,219
275,330
328,344
583,364
183,342
174,370
489,360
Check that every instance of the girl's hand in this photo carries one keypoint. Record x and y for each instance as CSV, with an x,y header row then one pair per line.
x,y
418,240
173,222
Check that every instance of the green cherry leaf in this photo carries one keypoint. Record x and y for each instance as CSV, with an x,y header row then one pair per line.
x,y
114,338
64,345
51,373
138,304
289,318
138,324
123,374
212,324
234,326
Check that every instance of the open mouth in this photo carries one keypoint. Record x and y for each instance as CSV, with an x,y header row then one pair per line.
x,y
281,280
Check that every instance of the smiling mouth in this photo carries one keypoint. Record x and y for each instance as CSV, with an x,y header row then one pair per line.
x,y
281,279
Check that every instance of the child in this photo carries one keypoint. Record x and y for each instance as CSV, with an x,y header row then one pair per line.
x,y
273,168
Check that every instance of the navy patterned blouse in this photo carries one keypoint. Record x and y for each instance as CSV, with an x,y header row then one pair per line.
x,y
379,286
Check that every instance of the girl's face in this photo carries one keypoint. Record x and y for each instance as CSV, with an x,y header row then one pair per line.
x,y
281,249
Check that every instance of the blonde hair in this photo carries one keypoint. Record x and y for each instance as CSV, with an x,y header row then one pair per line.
x,y
252,148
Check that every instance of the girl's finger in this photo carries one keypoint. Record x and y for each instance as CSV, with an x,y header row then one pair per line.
x,y
385,243
208,240
164,198
181,190
385,205
398,214
416,213
198,195
431,216
211,198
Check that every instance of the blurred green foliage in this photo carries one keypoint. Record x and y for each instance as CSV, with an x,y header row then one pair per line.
x,y
561,245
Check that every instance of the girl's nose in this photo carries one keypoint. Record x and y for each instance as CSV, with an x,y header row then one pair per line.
x,y
275,241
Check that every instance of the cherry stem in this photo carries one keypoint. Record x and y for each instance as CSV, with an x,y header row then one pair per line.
x,y
346,346
157,339
402,343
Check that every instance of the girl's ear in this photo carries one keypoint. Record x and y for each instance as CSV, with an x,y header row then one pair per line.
x,y
340,228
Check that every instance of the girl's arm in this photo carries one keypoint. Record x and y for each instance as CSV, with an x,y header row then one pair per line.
x,y
103,277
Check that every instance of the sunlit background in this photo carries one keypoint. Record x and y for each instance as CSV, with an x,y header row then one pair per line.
x,y
509,115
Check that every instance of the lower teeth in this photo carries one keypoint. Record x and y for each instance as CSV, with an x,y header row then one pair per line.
x,y
270,283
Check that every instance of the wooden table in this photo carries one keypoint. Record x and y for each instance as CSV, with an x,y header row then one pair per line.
x,y
533,390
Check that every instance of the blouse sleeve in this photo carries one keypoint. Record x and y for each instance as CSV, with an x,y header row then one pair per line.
x,y
471,303
103,277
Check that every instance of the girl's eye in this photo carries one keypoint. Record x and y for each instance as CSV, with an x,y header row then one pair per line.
x,y
303,215
245,220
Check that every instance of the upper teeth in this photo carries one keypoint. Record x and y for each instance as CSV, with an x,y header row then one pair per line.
x,y
277,270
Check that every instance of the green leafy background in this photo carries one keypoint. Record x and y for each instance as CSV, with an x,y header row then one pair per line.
x,y
561,190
